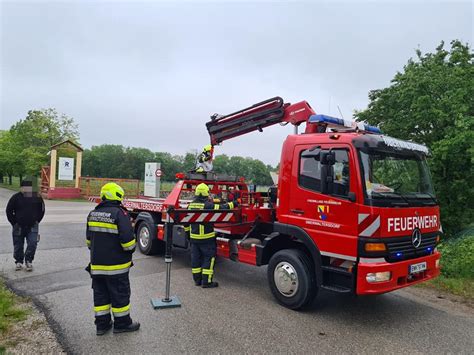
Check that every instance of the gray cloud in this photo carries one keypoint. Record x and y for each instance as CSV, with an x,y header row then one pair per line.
x,y
150,73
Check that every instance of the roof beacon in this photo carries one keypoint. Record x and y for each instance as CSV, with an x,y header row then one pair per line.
x,y
337,123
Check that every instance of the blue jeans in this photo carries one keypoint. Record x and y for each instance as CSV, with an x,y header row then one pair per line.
x,y
20,233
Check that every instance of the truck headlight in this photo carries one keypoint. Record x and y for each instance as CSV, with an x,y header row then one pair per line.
x,y
378,276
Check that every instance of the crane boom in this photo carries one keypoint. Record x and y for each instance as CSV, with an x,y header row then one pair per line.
x,y
257,117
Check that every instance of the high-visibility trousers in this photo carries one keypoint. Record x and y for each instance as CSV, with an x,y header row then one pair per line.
x,y
112,294
203,256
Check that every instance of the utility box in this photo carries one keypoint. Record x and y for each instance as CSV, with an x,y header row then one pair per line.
x,y
152,179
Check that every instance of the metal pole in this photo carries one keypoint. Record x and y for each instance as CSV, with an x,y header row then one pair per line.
x,y
296,129
167,301
168,260
168,276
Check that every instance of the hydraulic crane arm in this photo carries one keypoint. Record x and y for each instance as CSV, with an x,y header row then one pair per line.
x,y
259,116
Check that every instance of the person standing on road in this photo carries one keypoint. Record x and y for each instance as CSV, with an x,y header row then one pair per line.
x,y
111,241
203,239
25,210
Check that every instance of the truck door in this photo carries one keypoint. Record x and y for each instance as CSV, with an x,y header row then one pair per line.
x,y
330,219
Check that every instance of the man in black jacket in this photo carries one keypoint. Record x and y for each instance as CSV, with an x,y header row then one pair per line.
x,y
25,210
111,241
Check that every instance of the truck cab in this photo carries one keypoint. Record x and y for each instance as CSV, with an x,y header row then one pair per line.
x,y
366,201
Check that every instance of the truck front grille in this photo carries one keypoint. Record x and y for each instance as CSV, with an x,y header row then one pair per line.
x,y
403,248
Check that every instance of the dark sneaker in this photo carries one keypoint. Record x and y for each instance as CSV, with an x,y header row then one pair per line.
x,y
18,266
29,266
102,331
197,283
134,326
210,285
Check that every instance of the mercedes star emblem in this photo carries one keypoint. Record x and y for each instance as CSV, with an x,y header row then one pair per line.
x,y
416,237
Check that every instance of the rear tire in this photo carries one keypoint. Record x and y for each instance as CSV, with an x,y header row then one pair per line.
x,y
292,278
148,243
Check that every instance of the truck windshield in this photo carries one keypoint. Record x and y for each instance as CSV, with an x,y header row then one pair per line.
x,y
395,179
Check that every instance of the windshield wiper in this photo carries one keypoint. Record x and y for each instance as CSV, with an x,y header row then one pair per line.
x,y
424,196
389,194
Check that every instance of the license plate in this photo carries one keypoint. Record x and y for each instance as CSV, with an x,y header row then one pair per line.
x,y
415,268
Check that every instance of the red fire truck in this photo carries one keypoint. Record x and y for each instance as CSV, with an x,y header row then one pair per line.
x,y
353,210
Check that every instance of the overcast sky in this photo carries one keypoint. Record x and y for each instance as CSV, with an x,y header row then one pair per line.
x,y
150,73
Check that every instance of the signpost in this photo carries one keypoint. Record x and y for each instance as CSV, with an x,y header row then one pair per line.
x,y
66,169
152,179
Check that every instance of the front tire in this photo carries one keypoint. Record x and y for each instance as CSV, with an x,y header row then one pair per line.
x,y
292,278
148,243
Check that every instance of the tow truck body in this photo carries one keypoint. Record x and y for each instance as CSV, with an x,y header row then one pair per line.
x,y
330,223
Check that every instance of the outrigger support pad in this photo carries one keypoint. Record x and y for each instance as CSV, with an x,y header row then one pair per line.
x,y
167,301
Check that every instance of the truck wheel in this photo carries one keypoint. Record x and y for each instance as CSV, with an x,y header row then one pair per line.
x,y
292,279
148,243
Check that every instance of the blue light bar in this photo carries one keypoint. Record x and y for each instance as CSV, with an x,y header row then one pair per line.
x,y
334,122
326,119
399,254
372,129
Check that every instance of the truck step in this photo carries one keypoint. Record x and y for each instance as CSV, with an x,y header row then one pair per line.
x,y
337,270
338,289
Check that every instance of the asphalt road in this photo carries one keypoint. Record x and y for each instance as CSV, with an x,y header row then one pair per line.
x,y
239,317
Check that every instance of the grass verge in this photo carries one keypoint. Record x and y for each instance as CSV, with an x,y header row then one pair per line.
x,y
457,267
12,310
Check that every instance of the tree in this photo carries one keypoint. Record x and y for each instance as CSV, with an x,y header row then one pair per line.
x,y
170,165
432,102
221,164
133,162
29,140
10,159
116,161
189,161
105,161
259,172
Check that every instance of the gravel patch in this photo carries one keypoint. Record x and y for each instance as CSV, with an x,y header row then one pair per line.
x,y
31,336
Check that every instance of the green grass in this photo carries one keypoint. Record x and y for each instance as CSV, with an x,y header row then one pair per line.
x,y
457,267
15,186
11,312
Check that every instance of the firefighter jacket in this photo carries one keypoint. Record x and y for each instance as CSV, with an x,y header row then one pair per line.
x,y
110,239
205,231
204,162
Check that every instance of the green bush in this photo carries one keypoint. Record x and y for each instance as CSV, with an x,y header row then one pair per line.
x,y
457,259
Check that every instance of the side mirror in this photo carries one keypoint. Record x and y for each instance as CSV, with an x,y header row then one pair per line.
x,y
328,157
327,179
352,196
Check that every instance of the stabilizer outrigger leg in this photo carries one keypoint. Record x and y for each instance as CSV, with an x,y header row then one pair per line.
x,y
167,301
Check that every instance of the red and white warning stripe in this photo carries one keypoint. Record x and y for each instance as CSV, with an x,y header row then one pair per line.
x,y
203,217
368,224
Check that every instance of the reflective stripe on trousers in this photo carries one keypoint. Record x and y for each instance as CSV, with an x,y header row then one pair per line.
x,y
102,310
122,311
209,272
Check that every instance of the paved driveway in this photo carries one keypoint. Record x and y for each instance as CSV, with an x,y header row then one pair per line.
x,y
239,317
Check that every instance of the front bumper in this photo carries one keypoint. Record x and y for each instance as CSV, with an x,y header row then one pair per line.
x,y
400,274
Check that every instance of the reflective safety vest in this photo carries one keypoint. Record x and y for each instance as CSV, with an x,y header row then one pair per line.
x,y
110,239
202,232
